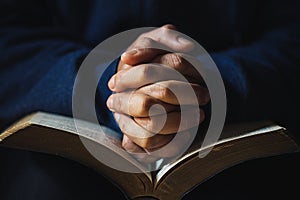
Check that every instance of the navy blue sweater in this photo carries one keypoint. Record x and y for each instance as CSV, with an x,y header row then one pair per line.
x,y
255,44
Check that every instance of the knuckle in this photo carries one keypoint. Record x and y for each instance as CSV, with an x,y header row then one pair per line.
x,y
175,60
202,95
131,105
145,104
150,125
125,144
116,102
163,92
140,107
123,126
139,39
198,118
119,81
145,143
143,35
164,30
207,96
153,142
145,42
146,72
201,116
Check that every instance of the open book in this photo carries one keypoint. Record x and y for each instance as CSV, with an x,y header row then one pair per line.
x,y
54,134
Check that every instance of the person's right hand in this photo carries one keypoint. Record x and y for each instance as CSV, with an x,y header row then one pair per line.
x,y
149,72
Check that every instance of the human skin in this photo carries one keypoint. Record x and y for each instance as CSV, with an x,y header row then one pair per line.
x,y
144,78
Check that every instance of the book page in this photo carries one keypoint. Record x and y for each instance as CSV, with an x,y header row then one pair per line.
x,y
229,135
81,128
86,130
100,134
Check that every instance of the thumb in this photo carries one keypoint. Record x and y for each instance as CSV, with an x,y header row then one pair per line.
x,y
155,43
141,55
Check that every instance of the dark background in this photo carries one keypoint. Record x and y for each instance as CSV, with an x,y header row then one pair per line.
x,y
33,176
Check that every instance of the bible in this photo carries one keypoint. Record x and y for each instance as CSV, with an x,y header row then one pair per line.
x,y
59,135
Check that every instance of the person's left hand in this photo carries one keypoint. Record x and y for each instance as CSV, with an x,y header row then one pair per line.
x,y
141,88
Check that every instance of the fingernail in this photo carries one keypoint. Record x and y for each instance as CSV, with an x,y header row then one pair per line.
x,y
182,40
131,52
111,83
110,102
125,66
117,117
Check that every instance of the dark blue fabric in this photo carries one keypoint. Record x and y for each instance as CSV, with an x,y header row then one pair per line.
x,y
255,44
103,92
